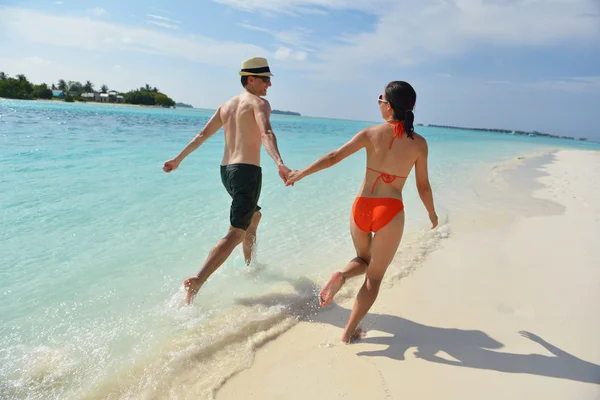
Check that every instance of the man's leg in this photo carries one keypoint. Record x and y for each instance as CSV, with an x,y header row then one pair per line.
x,y
217,256
250,239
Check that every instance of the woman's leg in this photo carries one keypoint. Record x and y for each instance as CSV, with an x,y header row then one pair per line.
x,y
383,248
357,266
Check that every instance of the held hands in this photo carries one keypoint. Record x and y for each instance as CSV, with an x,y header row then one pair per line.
x,y
293,177
288,176
284,172
170,165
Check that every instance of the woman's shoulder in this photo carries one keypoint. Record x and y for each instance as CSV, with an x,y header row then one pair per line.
x,y
419,138
420,143
375,128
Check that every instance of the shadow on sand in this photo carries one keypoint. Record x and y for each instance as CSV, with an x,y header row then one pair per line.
x,y
469,348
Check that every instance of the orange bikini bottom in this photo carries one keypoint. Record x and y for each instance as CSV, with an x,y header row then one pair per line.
x,y
371,213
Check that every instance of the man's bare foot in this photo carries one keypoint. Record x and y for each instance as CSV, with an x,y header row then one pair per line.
x,y
355,336
331,288
191,285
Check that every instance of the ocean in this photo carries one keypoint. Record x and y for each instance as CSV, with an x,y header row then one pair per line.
x,y
96,241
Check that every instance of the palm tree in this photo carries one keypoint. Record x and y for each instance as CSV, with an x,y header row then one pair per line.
x,y
104,89
155,89
75,86
21,77
3,76
147,88
53,86
62,85
88,87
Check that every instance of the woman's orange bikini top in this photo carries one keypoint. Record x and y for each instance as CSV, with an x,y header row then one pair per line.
x,y
387,178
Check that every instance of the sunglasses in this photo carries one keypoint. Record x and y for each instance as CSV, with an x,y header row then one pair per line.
x,y
381,99
265,79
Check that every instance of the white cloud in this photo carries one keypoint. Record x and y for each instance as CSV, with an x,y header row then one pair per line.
x,y
254,28
300,6
577,85
163,22
300,55
99,11
101,36
163,18
163,25
582,84
411,32
285,53
407,36
295,37
37,60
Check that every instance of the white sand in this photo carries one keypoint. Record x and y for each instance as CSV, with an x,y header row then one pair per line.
x,y
451,329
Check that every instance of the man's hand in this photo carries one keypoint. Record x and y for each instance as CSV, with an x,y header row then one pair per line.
x,y
434,220
293,177
171,165
283,172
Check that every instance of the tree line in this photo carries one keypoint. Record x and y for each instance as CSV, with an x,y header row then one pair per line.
x,y
19,87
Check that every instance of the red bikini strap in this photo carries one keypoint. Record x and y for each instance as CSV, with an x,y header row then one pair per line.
x,y
398,130
387,178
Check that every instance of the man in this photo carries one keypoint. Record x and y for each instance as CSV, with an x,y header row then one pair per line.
x,y
245,121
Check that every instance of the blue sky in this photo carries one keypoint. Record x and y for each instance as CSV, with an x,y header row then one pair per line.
x,y
514,64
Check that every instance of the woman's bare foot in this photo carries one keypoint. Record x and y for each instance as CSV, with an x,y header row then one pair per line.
x,y
191,285
355,336
331,288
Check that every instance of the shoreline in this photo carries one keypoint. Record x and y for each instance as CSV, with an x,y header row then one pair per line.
x,y
417,126
88,102
171,351
506,131
470,308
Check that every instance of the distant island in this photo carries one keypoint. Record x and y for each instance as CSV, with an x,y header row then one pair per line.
x,y
183,105
21,88
285,112
507,131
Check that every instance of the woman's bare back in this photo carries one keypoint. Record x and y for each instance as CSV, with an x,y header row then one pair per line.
x,y
390,159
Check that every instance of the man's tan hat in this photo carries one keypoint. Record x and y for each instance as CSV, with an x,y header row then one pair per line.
x,y
255,66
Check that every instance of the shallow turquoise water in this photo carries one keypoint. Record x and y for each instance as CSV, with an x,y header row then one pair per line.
x,y
96,239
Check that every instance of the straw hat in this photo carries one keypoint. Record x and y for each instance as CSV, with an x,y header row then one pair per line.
x,y
257,66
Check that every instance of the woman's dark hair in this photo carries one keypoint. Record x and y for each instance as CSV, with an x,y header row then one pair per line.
x,y
402,97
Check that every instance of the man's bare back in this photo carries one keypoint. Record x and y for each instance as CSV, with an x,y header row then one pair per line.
x,y
245,120
242,133
246,125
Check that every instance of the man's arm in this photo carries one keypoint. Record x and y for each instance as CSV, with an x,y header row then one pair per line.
x,y
213,125
262,113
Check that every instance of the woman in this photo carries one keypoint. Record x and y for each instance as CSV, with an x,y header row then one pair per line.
x,y
377,219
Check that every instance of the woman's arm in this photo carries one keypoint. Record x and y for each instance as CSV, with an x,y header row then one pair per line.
x,y
423,185
359,141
